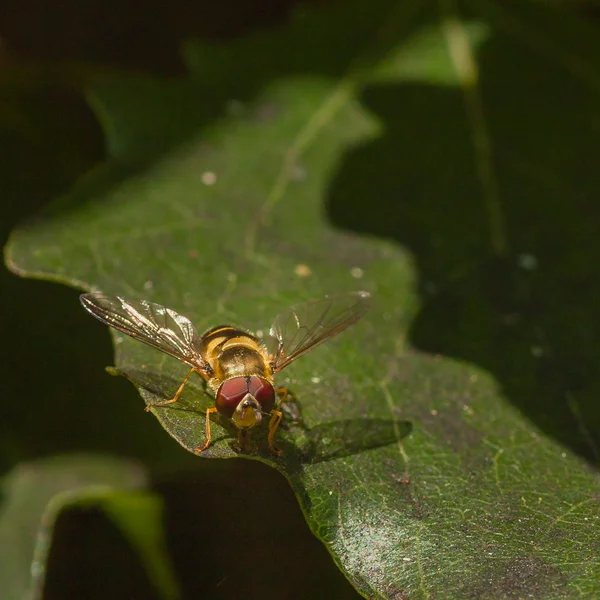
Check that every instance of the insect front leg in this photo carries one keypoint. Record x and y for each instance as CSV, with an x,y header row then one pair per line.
x,y
276,416
283,394
209,412
177,393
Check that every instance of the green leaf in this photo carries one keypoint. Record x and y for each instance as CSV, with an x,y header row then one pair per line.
x,y
417,472
36,493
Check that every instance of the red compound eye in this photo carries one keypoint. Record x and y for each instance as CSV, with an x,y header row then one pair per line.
x,y
263,391
230,394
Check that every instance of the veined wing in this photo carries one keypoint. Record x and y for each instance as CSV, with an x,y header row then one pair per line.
x,y
150,323
302,328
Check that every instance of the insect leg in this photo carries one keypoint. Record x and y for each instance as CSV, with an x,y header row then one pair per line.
x,y
276,416
283,394
209,412
175,397
243,439
273,425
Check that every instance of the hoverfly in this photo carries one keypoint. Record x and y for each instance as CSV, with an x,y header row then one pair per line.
x,y
238,368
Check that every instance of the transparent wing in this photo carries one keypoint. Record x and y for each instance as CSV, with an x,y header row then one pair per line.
x,y
301,328
150,323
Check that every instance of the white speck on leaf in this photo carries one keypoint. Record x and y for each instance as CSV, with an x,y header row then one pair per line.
x,y
356,272
209,178
148,285
302,270
298,173
537,351
527,262
37,568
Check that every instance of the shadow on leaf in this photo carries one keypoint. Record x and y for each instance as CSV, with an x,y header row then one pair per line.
x,y
338,439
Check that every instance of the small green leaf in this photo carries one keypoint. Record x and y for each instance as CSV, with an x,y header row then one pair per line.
x,y
415,470
35,493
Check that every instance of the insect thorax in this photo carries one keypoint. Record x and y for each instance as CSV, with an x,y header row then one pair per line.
x,y
241,360
232,353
